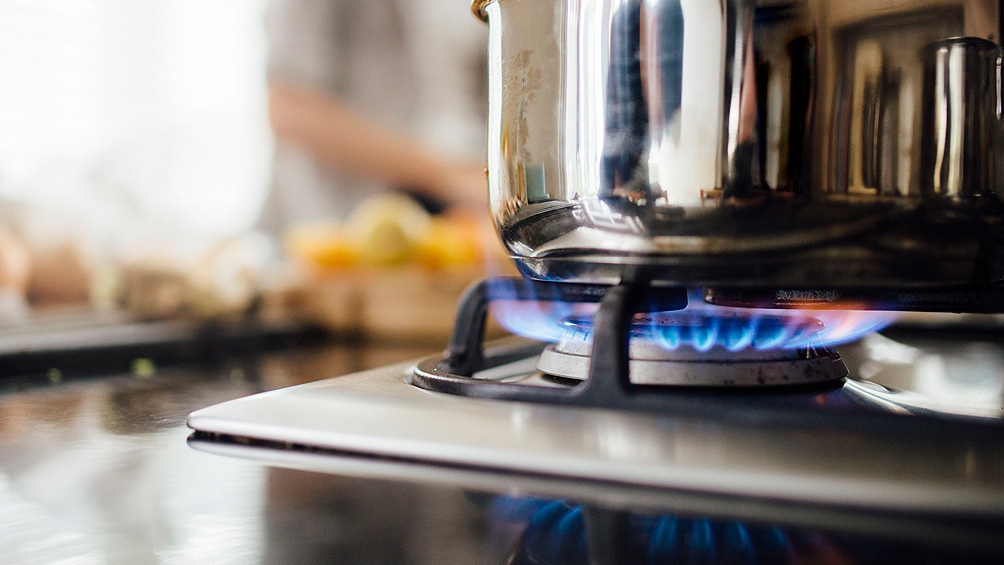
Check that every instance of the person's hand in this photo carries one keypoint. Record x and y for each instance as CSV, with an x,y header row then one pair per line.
x,y
350,141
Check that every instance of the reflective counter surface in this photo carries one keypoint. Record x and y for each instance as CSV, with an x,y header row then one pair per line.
x,y
97,469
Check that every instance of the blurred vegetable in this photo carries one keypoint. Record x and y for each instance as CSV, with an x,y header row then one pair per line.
x,y
387,230
15,264
221,281
60,254
449,242
323,245
388,227
61,272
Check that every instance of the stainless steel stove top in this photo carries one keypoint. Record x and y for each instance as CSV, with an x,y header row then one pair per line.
x,y
918,428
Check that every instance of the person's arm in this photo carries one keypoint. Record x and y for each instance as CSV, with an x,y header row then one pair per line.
x,y
339,136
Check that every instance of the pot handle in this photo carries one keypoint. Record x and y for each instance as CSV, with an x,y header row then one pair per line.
x,y
478,7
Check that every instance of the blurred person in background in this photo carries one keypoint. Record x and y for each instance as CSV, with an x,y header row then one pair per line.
x,y
367,96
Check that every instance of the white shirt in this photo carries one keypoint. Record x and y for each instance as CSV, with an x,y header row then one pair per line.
x,y
417,65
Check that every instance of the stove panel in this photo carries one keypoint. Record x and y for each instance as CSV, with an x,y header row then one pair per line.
x,y
811,447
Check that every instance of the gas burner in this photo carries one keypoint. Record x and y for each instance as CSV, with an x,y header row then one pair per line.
x,y
647,345
846,445
689,349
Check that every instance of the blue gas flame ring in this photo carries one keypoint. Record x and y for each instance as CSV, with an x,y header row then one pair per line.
x,y
697,349
556,532
704,333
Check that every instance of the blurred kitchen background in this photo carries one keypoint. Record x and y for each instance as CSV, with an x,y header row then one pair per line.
x,y
136,119
137,157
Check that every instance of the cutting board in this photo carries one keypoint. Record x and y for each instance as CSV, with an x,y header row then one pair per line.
x,y
409,303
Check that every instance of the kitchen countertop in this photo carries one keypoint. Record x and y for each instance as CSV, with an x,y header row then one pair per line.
x,y
98,469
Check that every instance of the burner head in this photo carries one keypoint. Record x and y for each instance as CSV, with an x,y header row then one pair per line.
x,y
694,349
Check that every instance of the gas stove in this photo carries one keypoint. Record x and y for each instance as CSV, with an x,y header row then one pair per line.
x,y
682,401
815,169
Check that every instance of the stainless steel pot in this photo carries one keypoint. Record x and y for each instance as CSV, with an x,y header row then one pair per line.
x,y
813,143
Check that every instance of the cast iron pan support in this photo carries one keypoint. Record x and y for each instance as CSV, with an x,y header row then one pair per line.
x,y
609,372
608,383
465,354
607,535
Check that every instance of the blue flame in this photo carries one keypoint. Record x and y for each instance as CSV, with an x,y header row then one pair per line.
x,y
700,326
538,319
663,540
735,333
554,531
